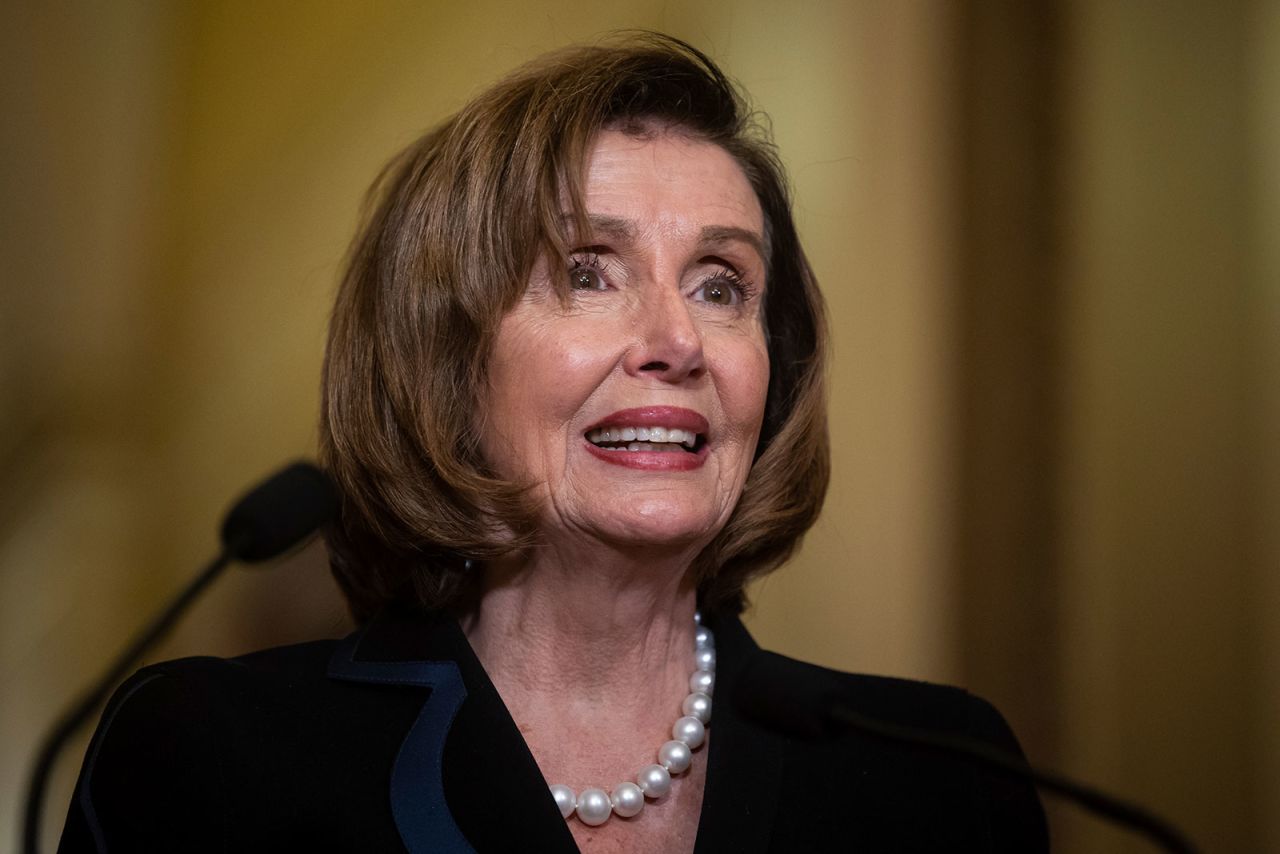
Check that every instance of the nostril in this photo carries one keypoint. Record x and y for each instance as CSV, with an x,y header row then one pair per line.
x,y
655,366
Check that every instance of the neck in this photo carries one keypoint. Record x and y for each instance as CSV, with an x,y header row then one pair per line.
x,y
592,650
592,620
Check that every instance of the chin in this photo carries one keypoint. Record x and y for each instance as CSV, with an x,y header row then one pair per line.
x,y
660,523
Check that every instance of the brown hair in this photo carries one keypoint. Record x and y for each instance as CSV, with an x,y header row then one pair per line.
x,y
454,227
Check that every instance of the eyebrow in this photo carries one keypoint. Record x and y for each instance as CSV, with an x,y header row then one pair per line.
x,y
612,226
730,234
619,227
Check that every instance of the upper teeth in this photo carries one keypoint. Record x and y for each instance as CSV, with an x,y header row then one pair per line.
x,y
642,434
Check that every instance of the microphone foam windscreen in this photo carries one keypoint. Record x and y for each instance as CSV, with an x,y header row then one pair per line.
x,y
279,513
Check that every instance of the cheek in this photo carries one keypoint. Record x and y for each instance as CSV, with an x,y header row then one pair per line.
x,y
540,377
746,383
509,405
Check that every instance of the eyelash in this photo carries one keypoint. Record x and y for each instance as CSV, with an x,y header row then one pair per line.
x,y
745,290
588,261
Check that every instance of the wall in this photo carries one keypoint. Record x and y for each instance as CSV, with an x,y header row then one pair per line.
x,y
1160,457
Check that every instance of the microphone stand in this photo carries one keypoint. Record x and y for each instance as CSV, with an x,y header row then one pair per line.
x,y
272,518
774,693
89,702
1129,815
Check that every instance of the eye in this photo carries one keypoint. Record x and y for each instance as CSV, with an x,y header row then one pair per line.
x,y
725,287
718,292
585,279
584,274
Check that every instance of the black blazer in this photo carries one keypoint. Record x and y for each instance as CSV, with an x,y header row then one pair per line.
x,y
395,739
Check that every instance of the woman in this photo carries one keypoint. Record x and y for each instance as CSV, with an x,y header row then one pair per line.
x,y
573,393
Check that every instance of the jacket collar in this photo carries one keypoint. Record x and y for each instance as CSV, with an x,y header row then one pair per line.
x,y
464,754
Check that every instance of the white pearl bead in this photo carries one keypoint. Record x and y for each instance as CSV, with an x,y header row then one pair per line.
x,y
697,617
698,705
705,659
702,682
594,807
689,730
627,799
675,756
566,800
703,639
654,781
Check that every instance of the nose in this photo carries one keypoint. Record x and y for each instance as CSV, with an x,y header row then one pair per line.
x,y
668,344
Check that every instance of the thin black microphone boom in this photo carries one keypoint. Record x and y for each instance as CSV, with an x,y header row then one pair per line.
x,y
272,518
771,692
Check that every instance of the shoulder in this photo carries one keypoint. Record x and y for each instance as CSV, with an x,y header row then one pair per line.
x,y
206,687
171,685
892,700
175,737
906,795
171,696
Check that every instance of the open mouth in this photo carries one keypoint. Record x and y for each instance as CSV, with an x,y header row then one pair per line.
x,y
646,439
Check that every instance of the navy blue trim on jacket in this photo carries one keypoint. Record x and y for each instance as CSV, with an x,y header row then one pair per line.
x,y
417,778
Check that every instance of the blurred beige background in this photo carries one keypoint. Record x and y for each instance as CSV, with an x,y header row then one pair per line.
x,y
1049,235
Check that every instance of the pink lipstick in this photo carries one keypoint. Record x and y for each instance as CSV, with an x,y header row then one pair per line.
x,y
624,438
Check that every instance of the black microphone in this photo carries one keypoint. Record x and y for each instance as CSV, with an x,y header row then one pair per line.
x,y
772,691
279,513
271,519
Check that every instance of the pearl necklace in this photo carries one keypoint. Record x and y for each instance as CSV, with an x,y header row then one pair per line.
x,y
593,806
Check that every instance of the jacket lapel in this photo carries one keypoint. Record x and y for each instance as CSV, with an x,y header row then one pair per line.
x,y
745,762
463,779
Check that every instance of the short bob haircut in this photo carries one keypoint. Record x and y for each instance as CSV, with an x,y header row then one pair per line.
x,y
453,229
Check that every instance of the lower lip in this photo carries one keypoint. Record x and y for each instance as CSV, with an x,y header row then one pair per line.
x,y
651,460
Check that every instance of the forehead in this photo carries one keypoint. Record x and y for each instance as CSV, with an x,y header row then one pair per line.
x,y
670,181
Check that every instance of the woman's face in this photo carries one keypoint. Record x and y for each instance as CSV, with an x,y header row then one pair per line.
x,y
663,331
